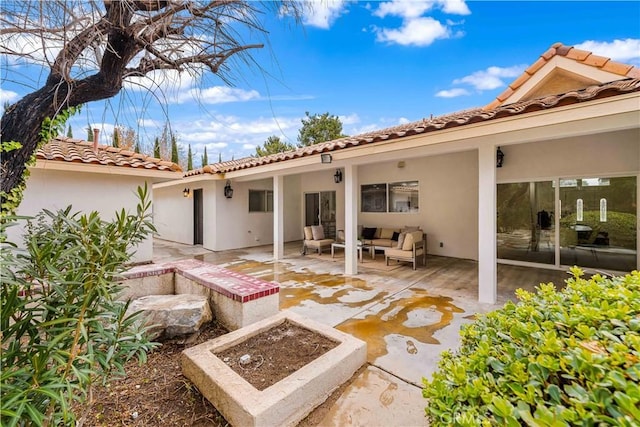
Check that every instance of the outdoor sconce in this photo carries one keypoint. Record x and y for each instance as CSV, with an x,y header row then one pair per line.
x,y
228,191
325,158
499,158
337,177
185,192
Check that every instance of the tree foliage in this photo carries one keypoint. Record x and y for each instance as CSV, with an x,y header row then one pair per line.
x,y
273,145
174,149
205,158
88,50
62,329
189,159
556,358
319,128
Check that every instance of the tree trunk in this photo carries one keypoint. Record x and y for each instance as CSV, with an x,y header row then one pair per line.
x,y
22,122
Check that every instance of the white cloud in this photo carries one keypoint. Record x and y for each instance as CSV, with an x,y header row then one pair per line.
x,y
323,13
8,96
218,95
452,93
403,8
491,78
249,146
414,32
351,119
627,50
455,7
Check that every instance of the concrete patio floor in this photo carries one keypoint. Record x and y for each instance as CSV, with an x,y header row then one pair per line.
x,y
406,317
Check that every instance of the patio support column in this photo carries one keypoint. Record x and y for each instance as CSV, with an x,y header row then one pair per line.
x,y
487,252
278,217
351,220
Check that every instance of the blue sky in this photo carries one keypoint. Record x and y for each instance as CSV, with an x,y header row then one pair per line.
x,y
374,64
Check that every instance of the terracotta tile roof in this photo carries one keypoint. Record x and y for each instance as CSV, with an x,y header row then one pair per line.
x,y
74,150
434,124
578,55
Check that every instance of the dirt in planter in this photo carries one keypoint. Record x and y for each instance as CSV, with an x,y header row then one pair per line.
x,y
266,358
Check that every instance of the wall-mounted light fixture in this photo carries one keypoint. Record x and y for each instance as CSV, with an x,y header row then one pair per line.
x,y
401,164
185,192
228,191
337,177
325,158
499,158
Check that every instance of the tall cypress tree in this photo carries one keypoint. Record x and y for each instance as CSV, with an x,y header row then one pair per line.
x,y
89,134
156,148
219,157
137,147
69,132
189,159
116,138
205,159
174,150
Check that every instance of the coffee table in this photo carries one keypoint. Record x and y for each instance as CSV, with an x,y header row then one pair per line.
x,y
342,245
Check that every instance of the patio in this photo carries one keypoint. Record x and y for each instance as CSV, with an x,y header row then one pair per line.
x,y
406,317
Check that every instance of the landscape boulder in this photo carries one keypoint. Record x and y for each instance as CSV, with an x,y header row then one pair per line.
x,y
170,316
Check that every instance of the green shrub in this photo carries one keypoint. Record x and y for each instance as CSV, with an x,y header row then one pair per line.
x,y
62,330
555,358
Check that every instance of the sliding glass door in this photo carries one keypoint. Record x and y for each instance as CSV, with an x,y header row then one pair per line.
x,y
526,225
598,223
594,225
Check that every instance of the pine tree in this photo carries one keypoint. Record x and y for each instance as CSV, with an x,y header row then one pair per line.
x,y
189,159
174,150
156,148
69,132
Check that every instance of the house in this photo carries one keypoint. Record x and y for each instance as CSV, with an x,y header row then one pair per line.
x,y
546,175
91,177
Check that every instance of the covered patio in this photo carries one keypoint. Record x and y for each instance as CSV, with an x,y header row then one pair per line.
x,y
406,317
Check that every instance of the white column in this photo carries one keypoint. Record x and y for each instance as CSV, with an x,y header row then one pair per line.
x,y
351,220
278,217
487,252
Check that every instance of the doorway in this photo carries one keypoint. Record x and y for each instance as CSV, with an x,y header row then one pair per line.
x,y
320,209
198,215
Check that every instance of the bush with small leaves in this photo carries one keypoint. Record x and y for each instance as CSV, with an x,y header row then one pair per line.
x,y
62,329
556,358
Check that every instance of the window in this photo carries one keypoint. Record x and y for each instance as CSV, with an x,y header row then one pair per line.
x,y
403,196
391,197
374,197
260,201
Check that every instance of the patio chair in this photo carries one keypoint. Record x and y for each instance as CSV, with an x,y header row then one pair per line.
x,y
414,247
314,239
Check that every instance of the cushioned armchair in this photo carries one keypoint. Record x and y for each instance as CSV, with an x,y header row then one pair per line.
x,y
314,239
411,247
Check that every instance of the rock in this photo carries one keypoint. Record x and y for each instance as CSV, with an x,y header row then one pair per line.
x,y
172,315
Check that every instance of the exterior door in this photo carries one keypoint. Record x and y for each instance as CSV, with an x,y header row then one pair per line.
x,y
198,216
320,208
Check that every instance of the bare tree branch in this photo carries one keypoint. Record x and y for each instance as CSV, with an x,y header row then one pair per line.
x,y
90,47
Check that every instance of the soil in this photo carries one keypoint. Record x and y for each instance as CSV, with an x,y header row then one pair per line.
x,y
266,358
156,393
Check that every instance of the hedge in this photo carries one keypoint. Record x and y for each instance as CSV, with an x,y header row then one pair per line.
x,y
556,358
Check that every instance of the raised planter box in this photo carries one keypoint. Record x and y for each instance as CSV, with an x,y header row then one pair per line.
x,y
286,402
237,300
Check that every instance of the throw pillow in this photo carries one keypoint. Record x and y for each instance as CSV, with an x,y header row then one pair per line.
x,y
407,245
368,233
386,233
318,232
401,238
308,234
395,236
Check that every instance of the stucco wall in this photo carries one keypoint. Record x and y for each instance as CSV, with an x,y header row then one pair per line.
x,y
448,200
173,214
87,192
612,153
